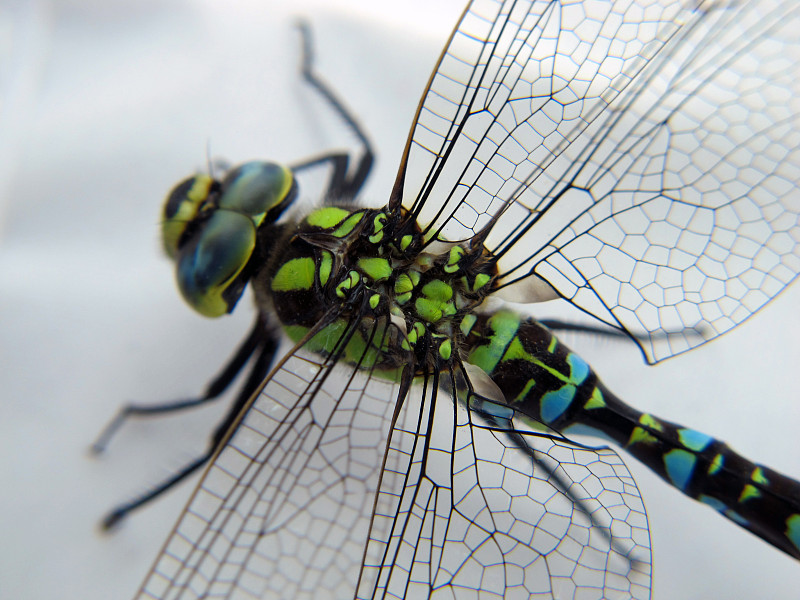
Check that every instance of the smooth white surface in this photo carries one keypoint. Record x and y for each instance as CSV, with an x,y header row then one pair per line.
x,y
104,107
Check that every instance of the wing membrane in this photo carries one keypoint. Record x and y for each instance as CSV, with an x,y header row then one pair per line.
x,y
467,514
283,511
288,509
517,82
641,160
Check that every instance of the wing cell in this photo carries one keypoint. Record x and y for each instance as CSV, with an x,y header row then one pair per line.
x,y
471,510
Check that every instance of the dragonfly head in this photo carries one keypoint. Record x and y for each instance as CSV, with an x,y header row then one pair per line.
x,y
209,229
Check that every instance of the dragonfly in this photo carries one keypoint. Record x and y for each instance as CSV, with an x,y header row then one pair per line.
x,y
415,439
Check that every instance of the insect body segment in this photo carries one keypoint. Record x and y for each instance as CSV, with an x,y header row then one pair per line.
x,y
337,256
547,382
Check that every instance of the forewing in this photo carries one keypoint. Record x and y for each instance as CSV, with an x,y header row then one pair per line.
x,y
517,82
283,511
641,158
464,513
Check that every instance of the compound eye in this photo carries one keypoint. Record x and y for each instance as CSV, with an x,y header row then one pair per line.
x,y
258,189
210,264
181,208
210,230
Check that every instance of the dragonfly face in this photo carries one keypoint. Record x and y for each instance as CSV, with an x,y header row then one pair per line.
x,y
210,229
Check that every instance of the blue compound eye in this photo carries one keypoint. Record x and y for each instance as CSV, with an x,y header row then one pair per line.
x,y
209,265
181,208
210,230
256,189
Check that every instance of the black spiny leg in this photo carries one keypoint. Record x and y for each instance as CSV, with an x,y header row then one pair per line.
x,y
342,188
558,325
261,343
213,391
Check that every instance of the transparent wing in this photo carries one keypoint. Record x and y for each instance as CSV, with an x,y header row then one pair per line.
x,y
639,157
465,513
283,511
288,509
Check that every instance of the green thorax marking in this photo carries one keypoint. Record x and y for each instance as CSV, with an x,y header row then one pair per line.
x,y
377,269
295,274
348,225
370,266
328,217
435,301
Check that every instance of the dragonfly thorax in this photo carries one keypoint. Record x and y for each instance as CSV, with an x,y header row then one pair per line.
x,y
368,270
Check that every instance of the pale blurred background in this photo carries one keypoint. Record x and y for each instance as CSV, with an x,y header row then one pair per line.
x,y
103,107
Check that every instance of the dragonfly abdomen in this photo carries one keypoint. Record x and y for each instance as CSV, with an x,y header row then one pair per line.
x,y
548,383
755,497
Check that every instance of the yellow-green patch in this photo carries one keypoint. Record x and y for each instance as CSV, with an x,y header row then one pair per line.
x,y
178,212
327,217
403,284
377,224
640,436
596,401
349,224
325,265
504,325
348,283
759,477
437,290
294,275
748,492
529,385
650,421
377,269
456,253
467,323
716,464
481,279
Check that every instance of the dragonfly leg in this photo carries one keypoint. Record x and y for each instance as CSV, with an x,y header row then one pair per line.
x,y
213,391
342,187
559,325
264,347
121,511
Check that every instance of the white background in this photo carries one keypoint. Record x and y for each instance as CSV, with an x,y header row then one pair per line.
x,y
103,107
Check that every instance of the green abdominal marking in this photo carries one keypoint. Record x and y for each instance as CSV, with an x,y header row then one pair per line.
x,y
793,530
